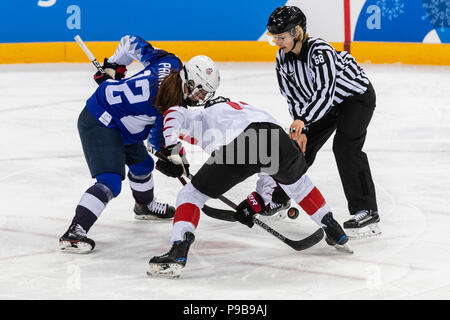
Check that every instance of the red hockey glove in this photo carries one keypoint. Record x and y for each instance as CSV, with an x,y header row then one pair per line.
x,y
245,211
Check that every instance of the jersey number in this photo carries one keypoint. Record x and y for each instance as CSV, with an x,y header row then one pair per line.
x,y
319,59
131,97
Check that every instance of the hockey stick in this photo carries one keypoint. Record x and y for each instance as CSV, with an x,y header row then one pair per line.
x,y
228,215
89,54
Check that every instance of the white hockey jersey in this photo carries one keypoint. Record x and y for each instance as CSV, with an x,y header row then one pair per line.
x,y
211,127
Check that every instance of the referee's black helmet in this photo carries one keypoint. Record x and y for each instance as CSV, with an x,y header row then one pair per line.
x,y
285,18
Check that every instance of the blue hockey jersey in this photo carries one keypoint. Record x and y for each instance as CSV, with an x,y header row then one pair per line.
x,y
127,105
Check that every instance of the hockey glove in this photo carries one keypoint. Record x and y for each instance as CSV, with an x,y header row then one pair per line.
x,y
172,161
245,211
279,196
113,71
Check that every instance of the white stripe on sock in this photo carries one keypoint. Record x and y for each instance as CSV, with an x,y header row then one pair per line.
x,y
92,203
299,189
142,187
179,229
319,214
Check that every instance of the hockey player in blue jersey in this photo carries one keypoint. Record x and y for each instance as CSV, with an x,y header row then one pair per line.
x,y
113,126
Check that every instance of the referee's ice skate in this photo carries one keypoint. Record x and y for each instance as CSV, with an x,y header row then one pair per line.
x,y
363,224
75,240
153,211
169,265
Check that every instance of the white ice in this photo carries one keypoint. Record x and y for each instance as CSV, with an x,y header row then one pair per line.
x,y
43,175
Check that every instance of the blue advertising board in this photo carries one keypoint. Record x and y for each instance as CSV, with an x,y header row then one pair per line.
x,y
403,20
105,20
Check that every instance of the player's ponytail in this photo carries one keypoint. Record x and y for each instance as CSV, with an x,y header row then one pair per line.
x,y
169,93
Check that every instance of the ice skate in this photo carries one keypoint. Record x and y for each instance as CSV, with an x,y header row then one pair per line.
x,y
276,211
335,235
363,224
169,265
153,211
75,240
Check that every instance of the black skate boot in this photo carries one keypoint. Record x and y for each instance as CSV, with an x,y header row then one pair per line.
x,y
153,211
280,201
273,209
335,234
170,264
75,240
363,223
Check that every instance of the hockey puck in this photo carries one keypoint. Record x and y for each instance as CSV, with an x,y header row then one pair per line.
x,y
293,213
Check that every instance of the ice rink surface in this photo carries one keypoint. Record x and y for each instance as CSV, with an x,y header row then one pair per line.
x,y
43,175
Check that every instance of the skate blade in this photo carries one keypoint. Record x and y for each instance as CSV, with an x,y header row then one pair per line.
x,y
344,248
79,247
371,230
150,218
166,270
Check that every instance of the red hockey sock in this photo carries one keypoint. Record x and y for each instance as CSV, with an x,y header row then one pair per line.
x,y
312,202
187,212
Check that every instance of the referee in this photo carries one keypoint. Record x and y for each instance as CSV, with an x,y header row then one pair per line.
x,y
328,91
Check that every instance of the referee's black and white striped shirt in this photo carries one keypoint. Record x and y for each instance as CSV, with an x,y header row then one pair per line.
x,y
318,79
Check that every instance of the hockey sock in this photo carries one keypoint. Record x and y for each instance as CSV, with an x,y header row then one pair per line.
x,y
309,198
141,187
315,206
91,205
186,219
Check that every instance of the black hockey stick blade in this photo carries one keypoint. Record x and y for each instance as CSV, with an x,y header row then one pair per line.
x,y
307,242
298,245
221,214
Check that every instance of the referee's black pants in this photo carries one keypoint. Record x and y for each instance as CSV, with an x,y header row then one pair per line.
x,y
350,119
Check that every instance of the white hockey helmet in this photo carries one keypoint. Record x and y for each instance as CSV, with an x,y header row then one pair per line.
x,y
200,76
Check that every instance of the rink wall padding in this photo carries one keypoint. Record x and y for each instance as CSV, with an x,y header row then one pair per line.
x,y
407,53
376,31
237,51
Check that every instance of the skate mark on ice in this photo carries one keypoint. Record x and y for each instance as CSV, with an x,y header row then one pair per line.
x,y
27,255
71,156
40,106
336,275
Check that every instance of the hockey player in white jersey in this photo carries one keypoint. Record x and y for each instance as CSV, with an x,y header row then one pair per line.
x,y
243,141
